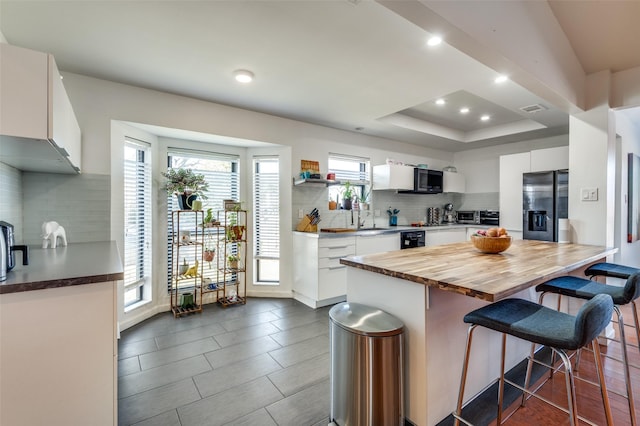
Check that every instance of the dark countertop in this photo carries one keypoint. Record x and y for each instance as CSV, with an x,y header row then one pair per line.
x,y
75,264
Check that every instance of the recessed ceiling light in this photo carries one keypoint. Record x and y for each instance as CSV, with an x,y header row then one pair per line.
x,y
464,110
485,117
501,79
434,41
440,102
243,76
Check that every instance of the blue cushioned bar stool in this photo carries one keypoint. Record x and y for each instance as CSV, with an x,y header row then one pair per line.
x,y
537,324
586,289
613,270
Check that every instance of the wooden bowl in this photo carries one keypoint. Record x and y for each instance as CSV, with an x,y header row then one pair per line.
x,y
491,244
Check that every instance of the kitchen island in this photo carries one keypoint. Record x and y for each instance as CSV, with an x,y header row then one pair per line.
x,y
425,288
58,346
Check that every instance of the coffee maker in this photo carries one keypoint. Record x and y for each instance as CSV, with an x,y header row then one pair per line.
x,y
449,215
7,249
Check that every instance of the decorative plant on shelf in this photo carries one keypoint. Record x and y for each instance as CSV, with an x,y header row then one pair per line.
x,y
347,195
209,254
364,199
186,184
232,261
209,221
184,267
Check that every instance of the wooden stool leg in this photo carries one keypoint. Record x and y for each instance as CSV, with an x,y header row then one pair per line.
x,y
625,365
463,379
501,383
571,390
527,377
603,386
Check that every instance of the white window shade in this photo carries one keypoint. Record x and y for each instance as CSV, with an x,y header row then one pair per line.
x,y
266,208
137,214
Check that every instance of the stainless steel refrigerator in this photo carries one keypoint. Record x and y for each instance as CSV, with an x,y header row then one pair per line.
x,y
545,200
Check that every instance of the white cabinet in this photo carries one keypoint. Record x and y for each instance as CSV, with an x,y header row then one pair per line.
x,y
511,169
438,237
38,128
543,160
58,356
392,177
318,277
368,244
453,182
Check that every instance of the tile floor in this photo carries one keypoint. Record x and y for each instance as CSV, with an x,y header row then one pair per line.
x,y
263,363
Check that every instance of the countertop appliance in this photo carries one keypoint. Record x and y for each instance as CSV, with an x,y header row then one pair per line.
x,y
490,217
545,200
8,249
468,216
449,216
411,239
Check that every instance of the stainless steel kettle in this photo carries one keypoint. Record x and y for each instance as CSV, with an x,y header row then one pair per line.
x,y
7,250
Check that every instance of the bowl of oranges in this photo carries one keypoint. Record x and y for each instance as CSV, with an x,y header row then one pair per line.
x,y
492,240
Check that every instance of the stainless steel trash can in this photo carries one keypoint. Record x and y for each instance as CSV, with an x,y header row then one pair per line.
x,y
367,366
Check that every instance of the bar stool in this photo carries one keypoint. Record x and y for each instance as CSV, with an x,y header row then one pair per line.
x,y
613,270
537,324
582,288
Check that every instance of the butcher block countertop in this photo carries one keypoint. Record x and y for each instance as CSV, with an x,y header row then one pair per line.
x,y
461,268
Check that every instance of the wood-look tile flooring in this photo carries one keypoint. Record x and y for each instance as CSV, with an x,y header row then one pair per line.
x,y
267,363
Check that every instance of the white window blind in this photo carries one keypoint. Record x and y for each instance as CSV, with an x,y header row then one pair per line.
x,y
137,214
221,172
354,170
266,209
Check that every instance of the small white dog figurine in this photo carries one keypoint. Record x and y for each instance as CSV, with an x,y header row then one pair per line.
x,y
51,231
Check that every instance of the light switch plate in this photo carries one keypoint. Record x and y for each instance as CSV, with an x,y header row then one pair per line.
x,y
589,194
300,213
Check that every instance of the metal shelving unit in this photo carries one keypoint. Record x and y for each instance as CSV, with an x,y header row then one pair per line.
x,y
188,245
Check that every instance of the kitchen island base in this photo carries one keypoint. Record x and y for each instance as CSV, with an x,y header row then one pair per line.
x,y
435,340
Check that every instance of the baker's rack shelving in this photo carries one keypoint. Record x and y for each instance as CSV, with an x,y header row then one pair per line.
x,y
187,262
232,285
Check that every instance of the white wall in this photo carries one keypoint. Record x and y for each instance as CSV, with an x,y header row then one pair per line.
x,y
629,132
481,167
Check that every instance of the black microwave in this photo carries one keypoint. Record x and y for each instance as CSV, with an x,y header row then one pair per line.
x,y
427,181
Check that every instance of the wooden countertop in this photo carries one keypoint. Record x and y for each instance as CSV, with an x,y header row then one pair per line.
x,y
75,264
463,269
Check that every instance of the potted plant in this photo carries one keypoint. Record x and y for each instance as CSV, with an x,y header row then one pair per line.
x,y
232,261
209,221
364,200
184,267
209,254
347,195
186,184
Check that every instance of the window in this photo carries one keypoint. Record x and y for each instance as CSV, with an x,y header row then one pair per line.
x,y
266,208
347,168
221,173
137,224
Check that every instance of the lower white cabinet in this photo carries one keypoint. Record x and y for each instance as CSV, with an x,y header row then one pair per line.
x,y
368,244
437,237
318,277
58,356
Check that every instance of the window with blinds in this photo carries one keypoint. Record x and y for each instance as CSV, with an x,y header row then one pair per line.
x,y
221,171
355,170
266,217
137,221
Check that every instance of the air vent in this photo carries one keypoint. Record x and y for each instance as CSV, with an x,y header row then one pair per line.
x,y
532,109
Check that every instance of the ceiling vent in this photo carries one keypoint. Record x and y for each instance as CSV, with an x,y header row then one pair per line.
x,y
532,109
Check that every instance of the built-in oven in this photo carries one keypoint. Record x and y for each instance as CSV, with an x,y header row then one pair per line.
x,y
468,216
490,217
411,239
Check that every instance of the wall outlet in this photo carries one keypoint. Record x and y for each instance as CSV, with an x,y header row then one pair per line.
x,y
589,194
300,213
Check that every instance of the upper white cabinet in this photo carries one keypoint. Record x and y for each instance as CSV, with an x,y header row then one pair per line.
x,y
393,177
543,160
38,128
511,169
453,182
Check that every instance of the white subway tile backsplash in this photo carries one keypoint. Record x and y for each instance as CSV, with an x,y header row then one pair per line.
x,y
80,203
11,194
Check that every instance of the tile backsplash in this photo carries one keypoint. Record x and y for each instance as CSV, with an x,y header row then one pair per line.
x,y
80,203
412,206
11,193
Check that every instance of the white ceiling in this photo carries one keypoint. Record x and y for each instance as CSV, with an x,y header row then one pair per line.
x,y
347,64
